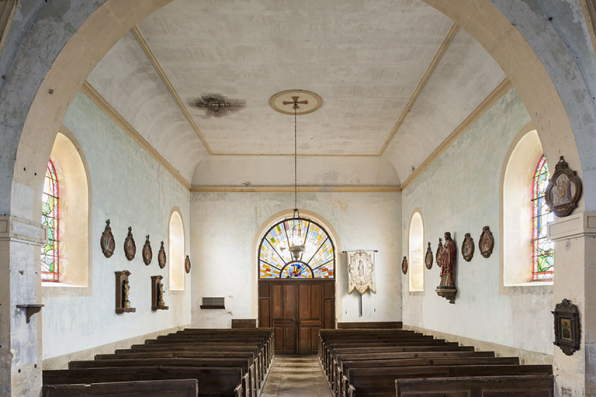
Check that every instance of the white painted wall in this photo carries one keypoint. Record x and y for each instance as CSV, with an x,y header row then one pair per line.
x,y
459,193
130,189
224,248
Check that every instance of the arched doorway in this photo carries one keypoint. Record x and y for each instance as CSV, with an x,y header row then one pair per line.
x,y
296,289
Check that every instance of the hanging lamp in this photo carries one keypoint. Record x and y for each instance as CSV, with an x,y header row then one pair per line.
x,y
301,102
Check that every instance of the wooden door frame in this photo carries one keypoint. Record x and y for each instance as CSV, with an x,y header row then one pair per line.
x,y
328,320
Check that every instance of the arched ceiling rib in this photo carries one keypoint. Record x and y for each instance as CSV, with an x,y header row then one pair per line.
x,y
364,58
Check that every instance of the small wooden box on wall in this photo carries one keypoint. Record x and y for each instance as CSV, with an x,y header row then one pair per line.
x,y
157,294
122,289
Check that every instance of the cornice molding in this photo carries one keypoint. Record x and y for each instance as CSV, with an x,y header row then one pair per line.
x,y
486,104
290,189
113,114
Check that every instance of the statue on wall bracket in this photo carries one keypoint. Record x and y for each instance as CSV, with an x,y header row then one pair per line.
x,y
428,258
361,271
107,241
446,261
564,190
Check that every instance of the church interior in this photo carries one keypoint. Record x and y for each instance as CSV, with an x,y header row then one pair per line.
x,y
281,198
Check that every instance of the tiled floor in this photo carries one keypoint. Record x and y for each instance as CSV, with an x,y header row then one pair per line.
x,y
296,376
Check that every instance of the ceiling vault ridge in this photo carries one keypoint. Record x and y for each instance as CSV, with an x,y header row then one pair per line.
x,y
162,74
429,71
115,116
485,105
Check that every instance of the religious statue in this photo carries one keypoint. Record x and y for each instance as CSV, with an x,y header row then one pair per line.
x,y
125,290
446,261
160,293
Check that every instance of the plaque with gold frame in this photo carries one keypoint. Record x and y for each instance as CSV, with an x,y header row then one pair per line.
x,y
567,327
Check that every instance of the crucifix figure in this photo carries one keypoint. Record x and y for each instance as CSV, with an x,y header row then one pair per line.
x,y
295,102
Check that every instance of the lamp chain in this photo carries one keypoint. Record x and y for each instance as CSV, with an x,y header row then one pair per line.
x,y
295,161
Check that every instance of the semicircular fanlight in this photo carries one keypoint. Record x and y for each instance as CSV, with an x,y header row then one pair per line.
x,y
317,260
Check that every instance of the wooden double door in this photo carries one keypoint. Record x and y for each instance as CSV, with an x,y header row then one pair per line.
x,y
296,309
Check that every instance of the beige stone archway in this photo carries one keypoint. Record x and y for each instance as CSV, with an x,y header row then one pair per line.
x,y
53,60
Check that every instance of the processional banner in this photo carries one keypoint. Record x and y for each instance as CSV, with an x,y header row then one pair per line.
x,y
361,271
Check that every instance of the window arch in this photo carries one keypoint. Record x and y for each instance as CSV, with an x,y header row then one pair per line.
x,y
523,234
317,260
50,219
65,206
416,253
176,251
543,259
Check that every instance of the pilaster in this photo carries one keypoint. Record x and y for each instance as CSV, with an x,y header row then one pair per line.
x,y
574,238
20,342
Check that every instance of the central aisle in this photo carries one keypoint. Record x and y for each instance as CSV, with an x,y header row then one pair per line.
x,y
296,376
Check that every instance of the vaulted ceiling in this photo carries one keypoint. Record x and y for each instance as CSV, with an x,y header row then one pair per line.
x,y
396,78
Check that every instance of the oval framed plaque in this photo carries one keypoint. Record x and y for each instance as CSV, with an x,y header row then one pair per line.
x,y
404,265
564,190
147,252
161,257
467,248
108,245
486,242
428,258
187,264
130,248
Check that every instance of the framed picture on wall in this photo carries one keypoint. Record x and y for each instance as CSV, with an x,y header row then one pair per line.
x,y
567,327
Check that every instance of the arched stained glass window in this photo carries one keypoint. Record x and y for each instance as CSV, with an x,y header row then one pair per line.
x,y
543,249
50,218
317,260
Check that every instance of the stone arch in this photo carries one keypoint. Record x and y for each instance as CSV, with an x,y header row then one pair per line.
x,y
51,61
272,220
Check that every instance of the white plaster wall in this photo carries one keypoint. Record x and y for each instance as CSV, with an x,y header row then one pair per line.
x,y
459,193
130,189
223,230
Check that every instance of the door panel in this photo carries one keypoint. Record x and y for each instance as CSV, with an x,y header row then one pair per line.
x,y
296,309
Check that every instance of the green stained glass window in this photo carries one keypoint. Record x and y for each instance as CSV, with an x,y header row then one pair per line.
x,y
316,261
50,218
543,249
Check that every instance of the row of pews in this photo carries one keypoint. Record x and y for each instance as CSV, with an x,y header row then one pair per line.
x,y
191,362
397,362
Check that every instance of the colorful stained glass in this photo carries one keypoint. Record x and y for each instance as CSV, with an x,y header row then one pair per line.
x,y
543,249
50,218
317,260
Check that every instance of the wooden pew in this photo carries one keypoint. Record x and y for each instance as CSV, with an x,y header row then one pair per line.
x,y
502,386
214,382
244,364
148,388
380,382
369,325
193,351
262,362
